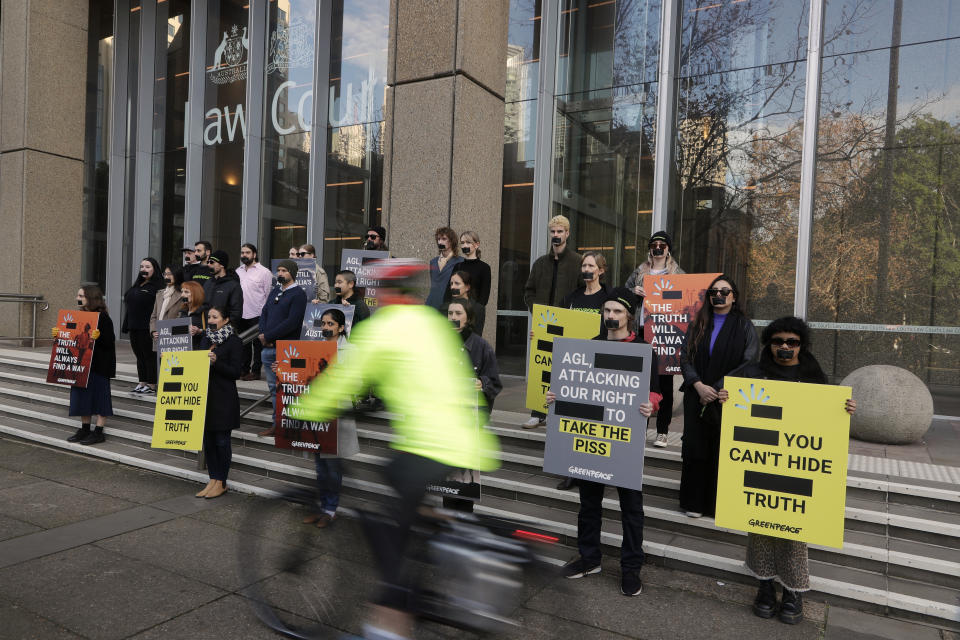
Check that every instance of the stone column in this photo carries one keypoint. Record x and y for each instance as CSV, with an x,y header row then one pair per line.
x,y
43,53
443,151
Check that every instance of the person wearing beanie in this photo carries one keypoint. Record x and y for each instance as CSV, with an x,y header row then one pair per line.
x,y
659,261
280,319
375,239
618,326
223,289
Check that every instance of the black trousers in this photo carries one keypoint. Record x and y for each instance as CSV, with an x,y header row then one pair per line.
x,y
142,344
665,412
251,352
218,453
590,519
409,476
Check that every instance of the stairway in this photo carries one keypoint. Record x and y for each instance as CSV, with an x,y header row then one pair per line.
x,y
901,554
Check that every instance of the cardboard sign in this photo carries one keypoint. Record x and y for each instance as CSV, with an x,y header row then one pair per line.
x,y
312,319
306,277
73,347
783,460
594,429
173,335
550,323
670,304
298,363
358,261
181,400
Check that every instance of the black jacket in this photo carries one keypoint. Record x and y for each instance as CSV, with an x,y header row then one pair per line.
x,y
197,319
224,292
197,272
104,361
223,403
138,302
479,279
484,363
551,278
360,309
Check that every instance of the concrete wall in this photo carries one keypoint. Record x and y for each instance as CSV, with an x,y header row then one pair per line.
x,y
43,53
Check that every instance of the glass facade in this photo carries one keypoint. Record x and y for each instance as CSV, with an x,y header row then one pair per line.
x,y
695,116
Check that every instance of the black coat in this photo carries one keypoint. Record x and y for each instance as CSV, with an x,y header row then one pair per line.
x,y
479,279
197,319
138,301
104,361
224,292
360,309
223,403
484,363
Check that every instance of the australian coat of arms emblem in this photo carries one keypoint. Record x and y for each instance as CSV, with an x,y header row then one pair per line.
x,y
230,57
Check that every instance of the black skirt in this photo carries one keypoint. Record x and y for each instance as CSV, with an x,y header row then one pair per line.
x,y
94,400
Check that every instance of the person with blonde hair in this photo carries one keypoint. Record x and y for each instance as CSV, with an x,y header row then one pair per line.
x,y
478,269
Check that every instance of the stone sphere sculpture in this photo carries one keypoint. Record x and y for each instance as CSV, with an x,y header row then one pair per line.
x,y
893,405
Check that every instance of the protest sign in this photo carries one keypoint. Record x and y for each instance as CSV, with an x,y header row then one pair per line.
x,y
73,347
313,319
173,335
550,323
594,428
783,460
298,363
306,277
670,304
360,262
181,400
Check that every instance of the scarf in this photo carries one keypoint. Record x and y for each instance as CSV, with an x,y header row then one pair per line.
x,y
167,300
220,335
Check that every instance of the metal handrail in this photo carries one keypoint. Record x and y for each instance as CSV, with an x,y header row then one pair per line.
x,y
28,299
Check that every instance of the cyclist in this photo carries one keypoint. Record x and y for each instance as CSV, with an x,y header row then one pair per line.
x,y
410,356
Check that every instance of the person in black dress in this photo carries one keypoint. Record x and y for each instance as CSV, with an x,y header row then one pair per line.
x,y
223,403
94,400
139,301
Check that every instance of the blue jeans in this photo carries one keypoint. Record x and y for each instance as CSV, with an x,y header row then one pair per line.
x,y
268,356
329,481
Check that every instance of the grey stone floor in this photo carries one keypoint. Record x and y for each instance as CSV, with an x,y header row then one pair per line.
x,y
91,549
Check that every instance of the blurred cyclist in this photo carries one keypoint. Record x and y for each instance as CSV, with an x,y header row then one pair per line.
x,y
409,355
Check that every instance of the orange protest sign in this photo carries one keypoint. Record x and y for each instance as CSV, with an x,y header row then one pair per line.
x,y
73,347
298,363
670,303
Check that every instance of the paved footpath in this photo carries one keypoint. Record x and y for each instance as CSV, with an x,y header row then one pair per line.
x,y
92,549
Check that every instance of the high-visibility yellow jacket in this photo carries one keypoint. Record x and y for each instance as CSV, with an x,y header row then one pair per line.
x,y
410,356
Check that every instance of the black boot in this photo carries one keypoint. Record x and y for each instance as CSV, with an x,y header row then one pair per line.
x,y
94,437
81,433
765,605
791,607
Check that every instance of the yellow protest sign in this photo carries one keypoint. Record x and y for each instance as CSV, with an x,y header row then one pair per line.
x,y
550,323
783,460
181,400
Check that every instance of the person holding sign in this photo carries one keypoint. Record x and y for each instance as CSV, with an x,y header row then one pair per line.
x,y
786,356
167,304
461,288
618,326
345,286
321,291
223,403
719,340
95,400
192,299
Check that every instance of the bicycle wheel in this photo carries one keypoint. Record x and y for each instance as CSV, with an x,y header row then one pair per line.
x,y
301,581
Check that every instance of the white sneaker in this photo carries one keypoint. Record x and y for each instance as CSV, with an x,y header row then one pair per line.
x,y
661,440
138,389
694,514
534,422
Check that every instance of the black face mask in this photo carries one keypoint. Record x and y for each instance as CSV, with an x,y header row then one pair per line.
x,y
326,333
79,302
338,290
282,279
246,261
369,245
784,354
586,275
441,247
143,275
611,323
466,250
455,323
168,280
184,300
718,301
556,240
656,252
455,292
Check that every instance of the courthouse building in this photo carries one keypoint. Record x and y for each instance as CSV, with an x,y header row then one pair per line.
x,y
808,148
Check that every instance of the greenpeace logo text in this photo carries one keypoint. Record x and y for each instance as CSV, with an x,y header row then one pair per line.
x,y
590,473
763,524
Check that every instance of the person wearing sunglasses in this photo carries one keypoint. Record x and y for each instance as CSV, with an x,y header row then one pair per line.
x,y
720,339
322,288
786,356
659,261
375,239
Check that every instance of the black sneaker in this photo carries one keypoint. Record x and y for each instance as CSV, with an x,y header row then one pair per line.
x,y
579,567
95,437
79,435
630,584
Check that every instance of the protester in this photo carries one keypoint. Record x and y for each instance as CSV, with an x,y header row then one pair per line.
x,y
188,255
786,356
333,326
199,271
138,302
478,269
280,319
223,403
167,304
292,253
618,326
192,299
659,261
223,289
375,239
591,295
322,287
94,399
550,276
443,266
255,282
719,340
344,285
461,288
